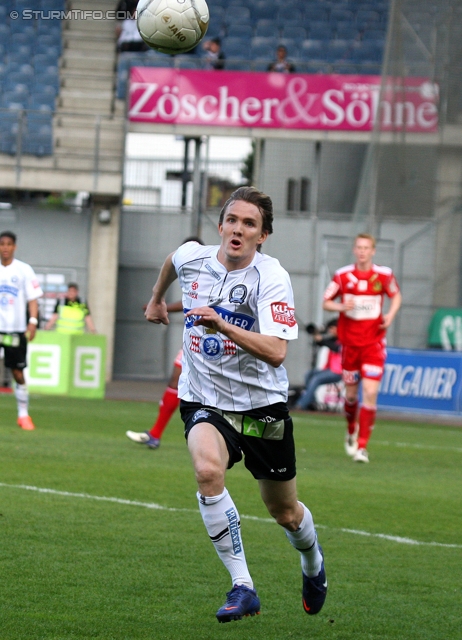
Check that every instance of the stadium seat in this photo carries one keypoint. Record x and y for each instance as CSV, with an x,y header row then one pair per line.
x,y
347,32
264,10
236,47
313,49
237,15
320,31
317,14
239,31
295,33
235,64
292,18
266,28
341,15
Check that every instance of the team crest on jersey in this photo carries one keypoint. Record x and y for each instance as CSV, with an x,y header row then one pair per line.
x,y
238,294
377,286
202,414
211,346
283,314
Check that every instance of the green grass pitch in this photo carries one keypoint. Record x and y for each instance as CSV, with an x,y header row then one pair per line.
x,y
102,538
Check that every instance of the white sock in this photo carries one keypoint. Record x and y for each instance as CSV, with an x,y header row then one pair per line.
x,y
223,525
22,399
304,539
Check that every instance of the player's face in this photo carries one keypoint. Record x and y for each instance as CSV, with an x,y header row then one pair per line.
x,y
364,251
7,249
241,232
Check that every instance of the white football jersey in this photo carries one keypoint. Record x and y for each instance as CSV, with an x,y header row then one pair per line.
x,y
258,298
18,285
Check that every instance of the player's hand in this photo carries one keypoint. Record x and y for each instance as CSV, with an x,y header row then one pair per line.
x,y
386,321
207,317
31,331
349,305
156,312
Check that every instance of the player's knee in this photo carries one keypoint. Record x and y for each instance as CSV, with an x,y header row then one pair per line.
x,y
208,473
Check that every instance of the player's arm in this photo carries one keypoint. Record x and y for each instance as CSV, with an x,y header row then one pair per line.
x,y
393,310
270,349
156,310
52,321
33,318
329,302
90,324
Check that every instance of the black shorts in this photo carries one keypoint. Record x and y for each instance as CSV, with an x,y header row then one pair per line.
x,y
263,436
15,357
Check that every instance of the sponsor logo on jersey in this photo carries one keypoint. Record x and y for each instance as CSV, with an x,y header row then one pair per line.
x,y
238,294
372,371
238,319
192,294
4,288
201,414
350,377
212,271
393,286
36,284
283,314
194,286
331,290
14,279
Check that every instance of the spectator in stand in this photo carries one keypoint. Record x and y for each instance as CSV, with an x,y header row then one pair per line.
x,y
282,64
331,373
71,315
214,56
128,36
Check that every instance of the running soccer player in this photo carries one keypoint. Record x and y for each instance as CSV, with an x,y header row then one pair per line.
x,y
239,316
19,291
361,330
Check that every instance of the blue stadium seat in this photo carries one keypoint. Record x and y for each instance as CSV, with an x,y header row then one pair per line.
x,y
294,33
11,100
50,50
316,13
320,31
239,31
290,17
266,28
262,51
341,15
236,64
338,50
367,52
347,32
313,49
236,47
264,10
377,35
237,15
4,33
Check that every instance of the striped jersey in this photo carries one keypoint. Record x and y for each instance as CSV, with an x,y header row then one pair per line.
x,y
361,325
259,298
18,285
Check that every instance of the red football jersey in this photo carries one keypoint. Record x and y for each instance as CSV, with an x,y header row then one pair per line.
x,y
361,325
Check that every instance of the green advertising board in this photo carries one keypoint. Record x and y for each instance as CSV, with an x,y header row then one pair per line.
x,y
62,364
445,330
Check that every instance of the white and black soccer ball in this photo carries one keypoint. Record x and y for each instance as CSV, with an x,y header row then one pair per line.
x,y
172,26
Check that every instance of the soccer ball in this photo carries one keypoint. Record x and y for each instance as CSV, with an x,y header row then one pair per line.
x,y
172,26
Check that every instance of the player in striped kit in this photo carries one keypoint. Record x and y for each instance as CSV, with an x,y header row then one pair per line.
x,y
239,315
19,291
361,331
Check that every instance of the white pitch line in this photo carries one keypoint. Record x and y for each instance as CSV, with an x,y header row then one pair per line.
x,y
159,507
411,445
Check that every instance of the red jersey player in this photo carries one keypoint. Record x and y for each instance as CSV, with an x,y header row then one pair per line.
x,y
361,331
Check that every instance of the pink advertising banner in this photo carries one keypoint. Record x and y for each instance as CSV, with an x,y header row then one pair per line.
x,y
280,101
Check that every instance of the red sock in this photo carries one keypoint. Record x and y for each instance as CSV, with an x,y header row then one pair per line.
x,y
351,409
366,424
167,407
